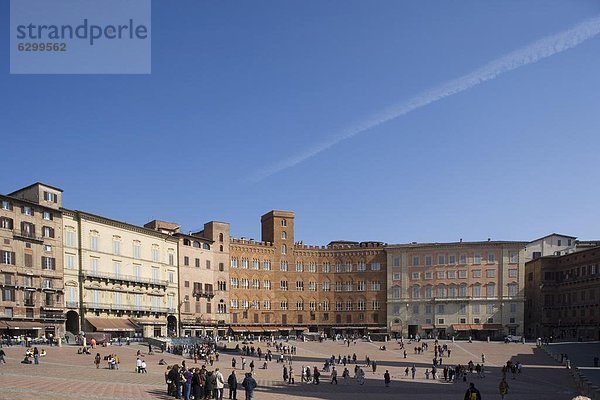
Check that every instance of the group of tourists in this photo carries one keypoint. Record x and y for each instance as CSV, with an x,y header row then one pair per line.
x,y
200,383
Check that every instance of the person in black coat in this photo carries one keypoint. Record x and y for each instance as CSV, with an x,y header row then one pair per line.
x,y
197,389
175,377
232,382
472,393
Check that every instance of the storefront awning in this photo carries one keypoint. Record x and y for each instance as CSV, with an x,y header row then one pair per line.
x,y
461,327
286,328
300,328
113,325
492,327
3,326
24,325
427,326
149,321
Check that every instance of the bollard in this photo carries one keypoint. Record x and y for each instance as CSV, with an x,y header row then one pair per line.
x,y
59,342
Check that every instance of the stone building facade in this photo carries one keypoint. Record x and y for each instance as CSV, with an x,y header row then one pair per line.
x,y
563,294
278,285
31,262
456,289
121,279
203,277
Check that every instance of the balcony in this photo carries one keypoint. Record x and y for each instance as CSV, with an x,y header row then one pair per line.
x,y
52,316
26,235
28,303
124,278
72,304
209,294
125,307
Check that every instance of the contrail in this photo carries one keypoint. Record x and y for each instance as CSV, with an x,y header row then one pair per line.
x,y
529,54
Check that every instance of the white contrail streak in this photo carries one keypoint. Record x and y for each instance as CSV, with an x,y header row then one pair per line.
x,y
529,54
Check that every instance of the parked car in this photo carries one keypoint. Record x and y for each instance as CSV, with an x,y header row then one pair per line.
x,y
513,338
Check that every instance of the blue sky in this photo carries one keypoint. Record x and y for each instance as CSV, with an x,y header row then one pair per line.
x,y
237,87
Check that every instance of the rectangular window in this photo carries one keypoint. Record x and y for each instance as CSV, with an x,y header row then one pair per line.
x,y
325,267
396,261
490,308
47,215
283,285
476,273
312,286
428,292
490,273
375,266
513,308
441,260
116,247
476,309
8,257
441,274
462,309
267,265
48,263
416,275
428,275
48,232
171,275
462,291
267,284
299,267
415,292
513,273
6,205
50,197
451,274
415,261
428,309
326,286
283,266
396,276
361,266
155,254
452,259
441,309
477,258
186,261
137,250
476,291
27,210
463,259
348,267
462,274
428,261
491,258
360,286
514,257
396,292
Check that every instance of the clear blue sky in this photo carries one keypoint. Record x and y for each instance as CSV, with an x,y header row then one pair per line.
x,y
239,86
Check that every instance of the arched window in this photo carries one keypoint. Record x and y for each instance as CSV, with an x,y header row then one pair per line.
x,y
187,242
283,249
220,237
283,235
196,244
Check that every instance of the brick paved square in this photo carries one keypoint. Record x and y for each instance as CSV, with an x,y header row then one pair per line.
x,y
63,374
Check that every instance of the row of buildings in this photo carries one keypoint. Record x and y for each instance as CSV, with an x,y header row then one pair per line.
x,y
69,270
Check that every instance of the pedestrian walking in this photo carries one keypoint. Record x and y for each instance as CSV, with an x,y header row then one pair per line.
x,y
386,378
503,387
472,393
334,376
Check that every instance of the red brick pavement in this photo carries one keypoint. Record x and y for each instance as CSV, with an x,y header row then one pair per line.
x,y
63,374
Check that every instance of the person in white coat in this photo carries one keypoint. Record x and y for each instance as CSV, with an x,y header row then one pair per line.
x,y
219,384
